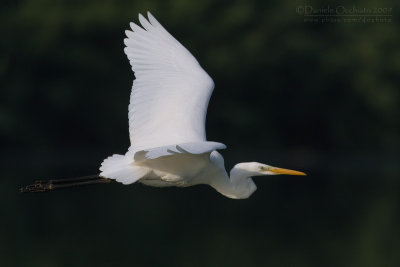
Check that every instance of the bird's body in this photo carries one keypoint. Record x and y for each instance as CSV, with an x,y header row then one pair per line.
x,y
192,170
187,169
167,113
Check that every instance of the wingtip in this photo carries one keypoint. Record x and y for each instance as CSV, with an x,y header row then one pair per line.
x,y
132,25
153,21
129,33
144,22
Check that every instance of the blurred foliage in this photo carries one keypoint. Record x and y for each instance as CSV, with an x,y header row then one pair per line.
x,y
320,97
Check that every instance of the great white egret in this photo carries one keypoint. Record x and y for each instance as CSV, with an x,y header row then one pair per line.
x,y
167,113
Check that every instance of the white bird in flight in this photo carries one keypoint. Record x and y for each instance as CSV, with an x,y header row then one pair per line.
x,y
167,112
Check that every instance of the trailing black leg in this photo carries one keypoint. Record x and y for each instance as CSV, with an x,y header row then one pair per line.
x,y
50,185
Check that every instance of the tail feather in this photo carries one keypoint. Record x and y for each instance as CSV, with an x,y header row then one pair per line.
x,y
122,169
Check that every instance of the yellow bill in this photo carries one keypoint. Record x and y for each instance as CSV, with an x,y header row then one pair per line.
x,y
285,171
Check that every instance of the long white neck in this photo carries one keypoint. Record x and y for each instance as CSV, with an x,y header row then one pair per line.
x,y
238,186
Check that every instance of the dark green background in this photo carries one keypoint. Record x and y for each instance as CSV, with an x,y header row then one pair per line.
x,y
318,97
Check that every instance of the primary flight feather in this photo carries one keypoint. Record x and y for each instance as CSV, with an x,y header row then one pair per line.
x,y
167,112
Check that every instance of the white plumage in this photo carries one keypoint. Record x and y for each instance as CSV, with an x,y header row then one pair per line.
x,y
167,113
171,91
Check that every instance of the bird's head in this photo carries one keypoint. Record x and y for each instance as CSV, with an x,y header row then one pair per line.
x,y
242,173
260,169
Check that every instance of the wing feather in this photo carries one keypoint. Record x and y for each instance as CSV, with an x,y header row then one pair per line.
x,y
170,94
189,148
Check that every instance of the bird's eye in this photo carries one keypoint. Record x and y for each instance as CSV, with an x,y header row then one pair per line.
x,y
263,168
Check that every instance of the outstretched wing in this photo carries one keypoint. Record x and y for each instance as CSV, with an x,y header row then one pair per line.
x,y
171,91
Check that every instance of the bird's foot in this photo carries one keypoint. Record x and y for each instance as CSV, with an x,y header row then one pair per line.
x,y
38,186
